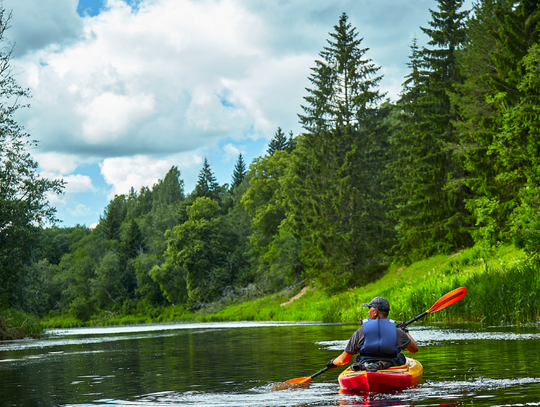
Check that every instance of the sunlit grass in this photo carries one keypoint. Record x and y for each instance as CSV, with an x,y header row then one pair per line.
x,y
501,289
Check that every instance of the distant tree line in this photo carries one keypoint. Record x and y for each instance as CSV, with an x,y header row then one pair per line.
x,y
454,162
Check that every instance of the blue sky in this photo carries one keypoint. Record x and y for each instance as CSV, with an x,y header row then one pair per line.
x,y
124,89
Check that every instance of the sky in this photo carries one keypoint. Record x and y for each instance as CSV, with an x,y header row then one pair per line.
x,y
122,90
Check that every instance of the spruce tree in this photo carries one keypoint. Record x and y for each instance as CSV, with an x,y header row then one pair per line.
x,y
344,83
114,215
333,182
131,247
207,185
291,142
428,191
239,172
278,143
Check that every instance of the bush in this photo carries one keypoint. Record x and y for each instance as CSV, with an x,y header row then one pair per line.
x,y
82,309
17,325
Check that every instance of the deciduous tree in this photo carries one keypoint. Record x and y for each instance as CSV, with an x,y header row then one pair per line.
x,y
24,206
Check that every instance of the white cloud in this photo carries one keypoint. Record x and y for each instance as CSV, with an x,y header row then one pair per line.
x,y
167,78
56,163
231,152
177,76
109,115
81,210
122,173
54,199
77,183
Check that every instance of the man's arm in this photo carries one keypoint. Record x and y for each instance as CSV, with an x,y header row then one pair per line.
x,y
343,359
413,346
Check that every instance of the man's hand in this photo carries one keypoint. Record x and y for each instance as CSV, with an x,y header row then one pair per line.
x,y
401,326
330,364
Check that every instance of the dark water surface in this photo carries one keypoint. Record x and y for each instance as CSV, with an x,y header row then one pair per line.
x,y
238,364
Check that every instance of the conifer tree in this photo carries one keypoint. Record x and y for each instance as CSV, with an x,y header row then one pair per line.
x,y
291,142
429,193
278,143
239,172
334,179
131,247
344,83
207,185
115,213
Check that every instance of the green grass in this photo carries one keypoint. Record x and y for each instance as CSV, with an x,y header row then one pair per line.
x,y
18,325
170,314
502,285
501,289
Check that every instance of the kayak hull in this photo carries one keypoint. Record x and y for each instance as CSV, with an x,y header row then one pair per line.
x,y
382,381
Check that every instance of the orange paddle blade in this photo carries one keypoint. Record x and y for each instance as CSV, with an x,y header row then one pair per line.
x,y
451,298
300,380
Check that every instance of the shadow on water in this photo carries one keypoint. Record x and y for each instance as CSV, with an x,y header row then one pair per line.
x,y
244,364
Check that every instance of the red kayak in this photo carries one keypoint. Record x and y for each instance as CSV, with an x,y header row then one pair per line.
x,y
382,381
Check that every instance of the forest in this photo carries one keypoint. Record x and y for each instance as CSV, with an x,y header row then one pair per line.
x,y
370,182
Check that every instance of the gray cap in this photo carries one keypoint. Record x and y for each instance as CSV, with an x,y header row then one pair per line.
x,y
379,303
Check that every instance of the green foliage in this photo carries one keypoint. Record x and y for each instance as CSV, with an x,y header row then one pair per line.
x,y
18,325
114,215
334,184
284,260
498,103
23,193
429,192
168,191
202,246
172,281
82,308
207,185
455,159
280,142
263,200
106,286
277,251
239,172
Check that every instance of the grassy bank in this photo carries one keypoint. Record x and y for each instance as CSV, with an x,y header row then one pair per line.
x,y
18,325
502,285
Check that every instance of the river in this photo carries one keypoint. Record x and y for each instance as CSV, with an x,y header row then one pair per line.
x,y
239,364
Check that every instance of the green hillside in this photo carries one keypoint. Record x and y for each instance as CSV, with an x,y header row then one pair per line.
x,y
501,286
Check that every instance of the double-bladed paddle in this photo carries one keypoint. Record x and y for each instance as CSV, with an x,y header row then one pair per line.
x,y
448,299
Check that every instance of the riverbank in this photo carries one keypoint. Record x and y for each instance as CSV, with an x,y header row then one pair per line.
x,y
502,285
18,325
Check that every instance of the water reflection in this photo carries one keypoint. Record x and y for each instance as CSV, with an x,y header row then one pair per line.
x,y
239,364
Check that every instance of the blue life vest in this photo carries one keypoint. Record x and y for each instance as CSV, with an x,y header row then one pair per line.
x,y
380,337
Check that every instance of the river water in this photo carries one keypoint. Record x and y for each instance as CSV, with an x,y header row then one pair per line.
x,y
239,364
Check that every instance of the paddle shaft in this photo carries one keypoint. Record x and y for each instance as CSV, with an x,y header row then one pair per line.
x,y
422,315
319,372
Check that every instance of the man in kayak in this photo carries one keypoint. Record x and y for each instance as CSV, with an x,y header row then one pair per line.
x,y
379,337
